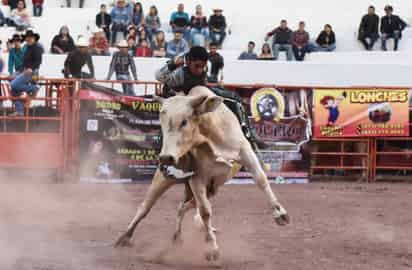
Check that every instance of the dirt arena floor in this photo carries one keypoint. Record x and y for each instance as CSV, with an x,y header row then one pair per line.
x,y
45,226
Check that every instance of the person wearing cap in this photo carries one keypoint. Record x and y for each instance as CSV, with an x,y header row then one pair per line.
x,y
391,27
121,19
98,43
63,42
180,22
177,46
77,59
16,56
369,29
103,20
217,27
120,64
31,64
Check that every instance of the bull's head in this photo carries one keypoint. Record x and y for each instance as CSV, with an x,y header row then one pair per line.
x,y
179,118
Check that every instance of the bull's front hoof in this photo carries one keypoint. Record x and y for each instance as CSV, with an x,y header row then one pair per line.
x,y
177,238
282,220
123,241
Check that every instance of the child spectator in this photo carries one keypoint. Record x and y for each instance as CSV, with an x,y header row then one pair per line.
x,y
120,64
121,19
37,7
159,45
138,16
199,25
103,20
131,42
326,41
250,53
176,46
369,29
217,27
152,22
20,17
179,21
391,27
16,56
143,49
63,42
98,43
266,53
216,62
300,39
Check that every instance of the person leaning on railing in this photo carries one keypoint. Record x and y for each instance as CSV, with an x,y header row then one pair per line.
x,y
26,81
77,59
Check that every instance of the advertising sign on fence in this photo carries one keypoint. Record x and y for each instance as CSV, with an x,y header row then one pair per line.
x,y
119,136
361,112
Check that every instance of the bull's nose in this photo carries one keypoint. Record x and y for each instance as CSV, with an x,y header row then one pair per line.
x,y
167,160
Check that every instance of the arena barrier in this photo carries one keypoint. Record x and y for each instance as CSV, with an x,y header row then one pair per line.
x,y
58,132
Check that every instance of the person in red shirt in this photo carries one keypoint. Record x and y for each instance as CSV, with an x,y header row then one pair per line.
x,y
144,50
98,43
37,7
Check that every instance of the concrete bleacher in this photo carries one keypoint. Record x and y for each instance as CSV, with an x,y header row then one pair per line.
x,y
349,65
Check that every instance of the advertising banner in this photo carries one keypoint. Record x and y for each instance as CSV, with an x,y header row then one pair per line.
x,y
119,136
361,112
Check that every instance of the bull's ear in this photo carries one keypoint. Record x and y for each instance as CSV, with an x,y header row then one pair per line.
x,y
205,104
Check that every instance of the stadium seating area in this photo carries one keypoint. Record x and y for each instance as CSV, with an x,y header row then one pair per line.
x,y
348,65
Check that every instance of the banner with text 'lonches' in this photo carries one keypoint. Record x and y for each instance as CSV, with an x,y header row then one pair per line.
x,y
361,112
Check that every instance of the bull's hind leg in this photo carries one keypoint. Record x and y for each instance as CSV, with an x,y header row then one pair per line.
x,y
159,185
251,162
187,204
205,210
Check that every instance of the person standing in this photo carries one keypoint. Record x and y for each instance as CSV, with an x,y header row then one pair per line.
x,y
16,56
391,27
103,20
216,64
26,81
77,59
120,64
369,29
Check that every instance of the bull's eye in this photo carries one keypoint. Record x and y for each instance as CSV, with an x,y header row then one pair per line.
x,y
183,124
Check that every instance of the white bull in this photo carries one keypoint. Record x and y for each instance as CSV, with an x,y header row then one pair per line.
x,y
202,134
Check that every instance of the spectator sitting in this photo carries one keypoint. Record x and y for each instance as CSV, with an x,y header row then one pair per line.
x,y
300,40
131,42
121,18
143,50
369,29
266,53
16,56
103,20
132,32
3,19
138,16
120,64
217,27
98,43
176,46
152,22
199,25
142,35
63,42
216,64
20,17
37,7
159,45
326,41
281,40
12,4
249,54
179,21
391,27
